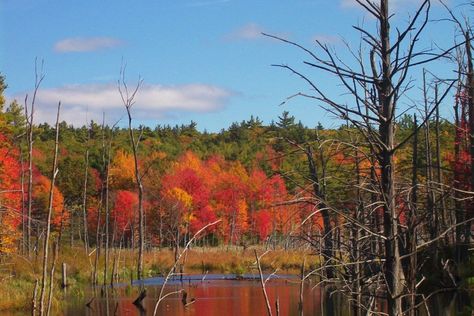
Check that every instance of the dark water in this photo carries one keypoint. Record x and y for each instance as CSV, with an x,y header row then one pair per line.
x,y
223,295
216,295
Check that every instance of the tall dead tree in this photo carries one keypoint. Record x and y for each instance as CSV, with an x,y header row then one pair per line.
x,y
84,197
412,224
29,115
381,80
128,99
319,193
430,196
470,99
54,173
98,238
107,211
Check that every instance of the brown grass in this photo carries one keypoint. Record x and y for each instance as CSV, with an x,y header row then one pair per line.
x,y
18,274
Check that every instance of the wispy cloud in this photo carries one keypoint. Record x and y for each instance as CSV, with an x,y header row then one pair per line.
x,y
327,39
251,32
86,44
152,101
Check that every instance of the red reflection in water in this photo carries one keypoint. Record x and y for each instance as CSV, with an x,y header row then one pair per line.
x,y
216,297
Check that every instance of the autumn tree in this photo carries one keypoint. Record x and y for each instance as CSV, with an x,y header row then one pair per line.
x,y
128,99
122,212
10,196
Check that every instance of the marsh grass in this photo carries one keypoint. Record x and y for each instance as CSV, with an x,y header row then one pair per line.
x,y
18,274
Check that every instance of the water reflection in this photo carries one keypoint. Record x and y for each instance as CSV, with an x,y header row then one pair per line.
x,y
218,296
213,297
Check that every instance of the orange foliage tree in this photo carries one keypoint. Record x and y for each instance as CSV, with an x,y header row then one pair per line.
x,y
41,187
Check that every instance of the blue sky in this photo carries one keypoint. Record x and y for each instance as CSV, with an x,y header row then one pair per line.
x,y
201,60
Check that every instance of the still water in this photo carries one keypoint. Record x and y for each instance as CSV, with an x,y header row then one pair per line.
x,y
223,295
215,295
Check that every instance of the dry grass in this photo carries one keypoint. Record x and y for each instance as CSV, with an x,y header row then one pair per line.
x,y
18,274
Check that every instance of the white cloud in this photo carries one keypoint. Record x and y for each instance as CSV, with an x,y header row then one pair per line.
x,y
86,44
89,101
327,39
250,31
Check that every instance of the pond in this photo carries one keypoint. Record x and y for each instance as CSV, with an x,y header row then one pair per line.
x,y
229,294
217,294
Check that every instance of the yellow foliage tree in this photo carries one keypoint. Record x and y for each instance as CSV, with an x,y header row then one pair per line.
x,y
122,174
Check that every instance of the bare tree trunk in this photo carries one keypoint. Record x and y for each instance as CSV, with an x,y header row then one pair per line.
x,y
61,227
98,243
262,283
29,138
461,251
39,76
232,229
50,211
393,272
84,201
439,171
433,223
470,94
98,238
128,100
51,278
64,282
411,233
302,279
24,247
328,252
356,232
107,215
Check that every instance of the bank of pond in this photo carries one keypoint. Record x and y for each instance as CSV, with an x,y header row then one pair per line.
x,y
217,282
232,294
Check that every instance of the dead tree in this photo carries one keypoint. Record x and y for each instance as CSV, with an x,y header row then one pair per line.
x,y
128,99
107,211
379,83
430,196
319,192
84,197
29,115
171,272
98,238
263,281
54,173
470,97
51,278
412,229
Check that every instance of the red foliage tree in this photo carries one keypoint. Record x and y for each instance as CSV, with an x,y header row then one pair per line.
x,y
122,213
10,196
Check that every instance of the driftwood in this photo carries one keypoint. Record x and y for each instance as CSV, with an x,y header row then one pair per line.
x,y
138,301
64,276
88,304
